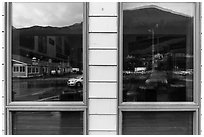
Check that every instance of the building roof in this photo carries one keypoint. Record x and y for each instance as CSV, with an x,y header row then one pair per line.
x,y
21,59
25,60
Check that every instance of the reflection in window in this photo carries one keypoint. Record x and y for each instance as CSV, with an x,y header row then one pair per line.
x,y
47,123
47,51
157,123
157,53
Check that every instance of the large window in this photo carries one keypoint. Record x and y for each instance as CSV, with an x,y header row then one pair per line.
x,y
158,53
159,67
46,68
52,39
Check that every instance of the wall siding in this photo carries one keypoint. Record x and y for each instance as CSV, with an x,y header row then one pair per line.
x,y
107,106
102,51
102,57
102,90
102,24
101,9
102,122
99,41
103,73
106,132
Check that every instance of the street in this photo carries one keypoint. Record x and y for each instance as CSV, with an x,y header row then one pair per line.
x,y
44,89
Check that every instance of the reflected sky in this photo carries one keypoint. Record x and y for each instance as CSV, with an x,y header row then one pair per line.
x,y
46,14
183,8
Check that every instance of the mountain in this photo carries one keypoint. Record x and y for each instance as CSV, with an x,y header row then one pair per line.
x,y
139,21
51,31
173,32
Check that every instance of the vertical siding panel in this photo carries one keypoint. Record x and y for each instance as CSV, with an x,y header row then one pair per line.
x,y
102,90
102,132
102,73
107,106
102,122
103,9
102,112
102,57
103,24
101,41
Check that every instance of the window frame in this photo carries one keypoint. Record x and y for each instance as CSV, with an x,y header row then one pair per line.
x,y
9,129
165,106
194,111
9,68
10,105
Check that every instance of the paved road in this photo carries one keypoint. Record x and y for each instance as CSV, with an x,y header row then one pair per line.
x,y
41,89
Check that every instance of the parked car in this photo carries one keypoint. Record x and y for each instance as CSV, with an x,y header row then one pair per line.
x,y
77,82
157,78
53,72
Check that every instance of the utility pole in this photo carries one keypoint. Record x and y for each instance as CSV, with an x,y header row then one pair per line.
x,y
152,30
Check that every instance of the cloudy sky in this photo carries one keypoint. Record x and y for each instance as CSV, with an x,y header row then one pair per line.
x,y
183,8
46,14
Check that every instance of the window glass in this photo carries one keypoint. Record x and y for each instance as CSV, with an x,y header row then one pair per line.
x,y
17,68
47,123
21,69
47,41
157,123
158,52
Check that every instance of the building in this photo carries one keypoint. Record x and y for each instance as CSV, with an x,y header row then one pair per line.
x,y
46,49
141,73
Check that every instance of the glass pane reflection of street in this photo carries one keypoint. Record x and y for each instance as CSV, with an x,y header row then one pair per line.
x,y
157,55
47,62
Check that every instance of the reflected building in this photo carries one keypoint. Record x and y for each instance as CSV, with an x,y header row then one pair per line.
x,y
173,38
157,54
47,50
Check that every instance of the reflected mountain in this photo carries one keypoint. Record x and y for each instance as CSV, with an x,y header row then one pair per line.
x,y
173,32
157,55
50,30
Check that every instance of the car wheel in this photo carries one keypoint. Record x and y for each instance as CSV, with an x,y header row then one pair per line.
x,y
78,84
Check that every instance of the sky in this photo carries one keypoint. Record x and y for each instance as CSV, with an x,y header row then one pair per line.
x,y
65,14
46,14
183,8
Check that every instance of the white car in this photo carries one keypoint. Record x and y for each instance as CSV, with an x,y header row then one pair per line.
x,y
78,81
157,78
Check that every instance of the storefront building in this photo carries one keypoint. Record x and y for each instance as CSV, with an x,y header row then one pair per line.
x,y
102,69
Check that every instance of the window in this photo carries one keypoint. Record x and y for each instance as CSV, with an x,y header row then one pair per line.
x,y
33,69
22,69
157,123
47,123
44,95
42,44
51,41
15,69
140,77
159,68
157,53
29,69
36,70
64,33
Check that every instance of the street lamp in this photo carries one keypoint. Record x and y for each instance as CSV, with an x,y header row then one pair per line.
x,y
152,30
